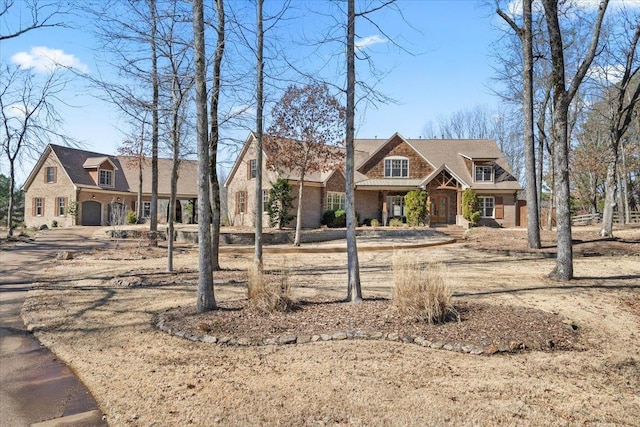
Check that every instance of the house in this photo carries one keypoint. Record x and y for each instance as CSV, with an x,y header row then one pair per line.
x,y
101,188
386,169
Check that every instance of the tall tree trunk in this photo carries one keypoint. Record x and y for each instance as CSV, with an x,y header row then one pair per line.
x,y
533,220
205,295
155,121
257,253
296,241
172,205
354,290
10,208
561,102
214,139
610,186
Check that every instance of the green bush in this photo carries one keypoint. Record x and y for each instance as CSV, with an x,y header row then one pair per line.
x,y
470,206
280,203
415,203
374,222
340,221
328,217
132,218
396,222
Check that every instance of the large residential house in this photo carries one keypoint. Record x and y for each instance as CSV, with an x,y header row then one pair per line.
x,y
386,170
101,188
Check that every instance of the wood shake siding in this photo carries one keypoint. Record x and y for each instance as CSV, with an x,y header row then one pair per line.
x,y
418,167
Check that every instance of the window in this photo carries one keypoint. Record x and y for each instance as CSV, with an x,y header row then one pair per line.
x,y
252,168
396,167
38,206
335,201
106,177
51,174
265,200
396,206
487,205
62,206
146,209
241,202
484,173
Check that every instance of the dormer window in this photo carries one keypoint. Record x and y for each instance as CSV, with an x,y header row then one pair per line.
x,y
106,178
484,173
396,167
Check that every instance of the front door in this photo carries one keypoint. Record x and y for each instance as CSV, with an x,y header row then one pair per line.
x,y
439,205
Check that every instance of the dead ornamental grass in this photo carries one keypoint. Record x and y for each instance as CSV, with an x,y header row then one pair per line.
x,y
420,290
144,377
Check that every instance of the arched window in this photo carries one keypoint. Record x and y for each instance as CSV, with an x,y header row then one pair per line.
x,y
396,167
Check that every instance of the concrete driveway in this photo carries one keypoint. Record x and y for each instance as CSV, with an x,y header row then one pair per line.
x,y
36,389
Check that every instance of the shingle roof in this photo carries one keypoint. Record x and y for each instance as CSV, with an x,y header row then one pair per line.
x,y
78,162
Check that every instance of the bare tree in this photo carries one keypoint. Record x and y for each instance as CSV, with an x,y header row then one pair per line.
x,y
257,256
620,100
525,33
29,117
214,136
562,97
205,296
307,125
34,15
354,289
135,148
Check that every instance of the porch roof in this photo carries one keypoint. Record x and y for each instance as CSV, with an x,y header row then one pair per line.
x,y
390,182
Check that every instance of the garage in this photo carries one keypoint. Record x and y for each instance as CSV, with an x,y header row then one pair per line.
x,y
91,213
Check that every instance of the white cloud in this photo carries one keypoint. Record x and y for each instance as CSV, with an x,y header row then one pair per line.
x,y
369,41
609,73
44,60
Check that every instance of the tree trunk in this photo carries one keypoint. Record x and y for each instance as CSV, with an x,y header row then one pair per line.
x,y
354,290
172,206
155,122
205,295
533,219
257,253
610,185
296,241
214,139
12,186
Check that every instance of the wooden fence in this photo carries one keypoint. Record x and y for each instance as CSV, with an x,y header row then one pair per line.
x,y
596,218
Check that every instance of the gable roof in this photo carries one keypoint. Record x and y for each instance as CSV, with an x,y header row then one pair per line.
x,y
76,164
451,155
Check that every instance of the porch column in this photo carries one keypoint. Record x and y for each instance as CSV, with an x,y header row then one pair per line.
x,y
458,202
385,212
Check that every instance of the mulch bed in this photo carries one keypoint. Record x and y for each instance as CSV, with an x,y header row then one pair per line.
x,y
481,325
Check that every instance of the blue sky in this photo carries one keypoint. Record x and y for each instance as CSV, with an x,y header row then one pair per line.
x,y
448,69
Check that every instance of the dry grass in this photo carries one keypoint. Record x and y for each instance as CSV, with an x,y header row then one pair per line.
x,y
269,293
420,289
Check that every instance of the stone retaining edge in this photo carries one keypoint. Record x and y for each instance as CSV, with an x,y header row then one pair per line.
x,y
290,339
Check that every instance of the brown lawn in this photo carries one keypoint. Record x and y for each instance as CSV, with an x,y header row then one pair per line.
x,y
105,330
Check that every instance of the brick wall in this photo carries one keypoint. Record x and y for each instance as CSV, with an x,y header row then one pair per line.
x,y
49,192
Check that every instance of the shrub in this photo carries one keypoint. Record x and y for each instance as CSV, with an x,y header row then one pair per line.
x,y
269,294
340,220
395,222
54,224
132,218
328,217
375,222
415,203
420,290
280,203
470,206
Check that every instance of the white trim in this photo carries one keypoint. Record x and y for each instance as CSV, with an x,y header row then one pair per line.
x,y
483,206
391,168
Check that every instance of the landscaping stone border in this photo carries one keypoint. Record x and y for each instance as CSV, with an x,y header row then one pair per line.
x,y
289,339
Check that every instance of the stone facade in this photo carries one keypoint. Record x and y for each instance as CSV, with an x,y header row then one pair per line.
x,y
418,167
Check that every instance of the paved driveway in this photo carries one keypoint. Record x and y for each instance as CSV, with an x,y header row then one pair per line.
x,y
35,387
